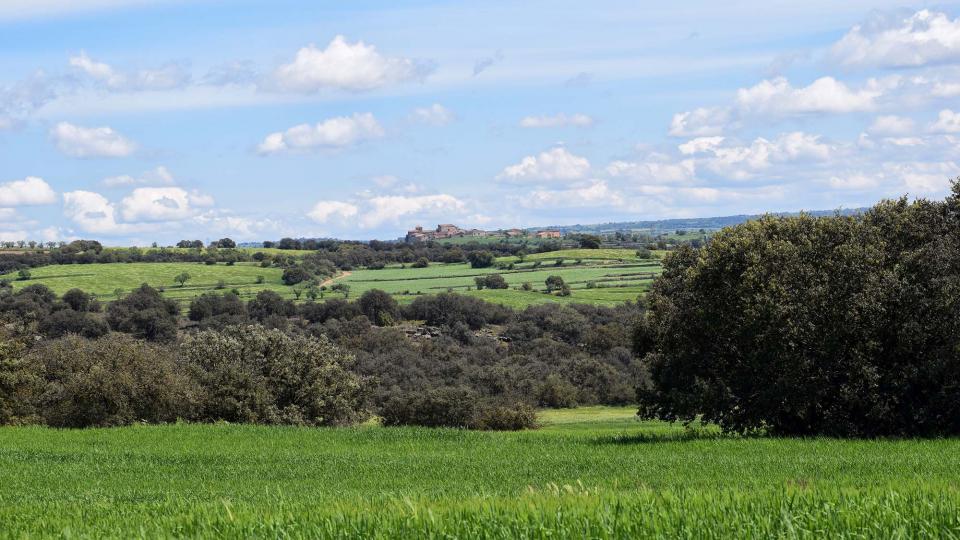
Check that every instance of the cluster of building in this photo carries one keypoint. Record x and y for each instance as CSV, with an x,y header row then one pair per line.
x,y
448,230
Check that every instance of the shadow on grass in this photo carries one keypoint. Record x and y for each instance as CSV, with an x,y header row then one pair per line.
x,y
687,435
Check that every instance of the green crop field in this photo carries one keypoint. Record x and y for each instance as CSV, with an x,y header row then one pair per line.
x,y
104,279
613,281
588,473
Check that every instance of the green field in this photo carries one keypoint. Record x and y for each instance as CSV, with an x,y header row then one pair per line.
x,y
617,274
104,279
588,473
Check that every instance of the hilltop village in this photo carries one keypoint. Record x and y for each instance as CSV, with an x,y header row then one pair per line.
x,y
448,230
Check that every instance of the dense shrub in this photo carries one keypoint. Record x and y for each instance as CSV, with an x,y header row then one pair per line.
x,y
20,381
67,321
259,375
112,381
481,259
435,407
838,325
447,309
379,307
491,281
295,274
145,314
213,310
510,417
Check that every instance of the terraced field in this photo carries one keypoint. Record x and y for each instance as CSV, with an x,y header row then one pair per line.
x,y
595,276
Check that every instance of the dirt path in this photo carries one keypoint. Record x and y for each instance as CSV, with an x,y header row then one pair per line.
x,y
334,278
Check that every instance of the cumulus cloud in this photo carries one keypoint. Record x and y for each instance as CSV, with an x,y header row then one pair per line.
x,y
700,122
743,162
947,122
700,145
595,194
391,208
346,66
333,133
655,169
166,77
29,191
161,204
824,95
324,211
557,120
892,125
92,213
81,142
892,40
854,182
434,115
554,164
158,176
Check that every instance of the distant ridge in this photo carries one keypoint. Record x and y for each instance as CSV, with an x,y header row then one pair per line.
x,y
708,223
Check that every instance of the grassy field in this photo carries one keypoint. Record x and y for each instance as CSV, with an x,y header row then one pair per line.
x,y
617,276
104,279
587,473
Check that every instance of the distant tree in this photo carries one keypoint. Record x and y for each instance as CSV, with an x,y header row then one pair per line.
x,y
342,288
295,274
453,255
644,253
422,262
182,278
260,279
146,314
23,274
481,259
555,283
380,307
491,281
225,243
589,241
79,300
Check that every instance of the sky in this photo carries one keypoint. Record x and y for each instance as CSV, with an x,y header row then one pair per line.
x,y
139,121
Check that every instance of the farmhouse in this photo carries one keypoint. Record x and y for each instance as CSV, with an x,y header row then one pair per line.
x,y
548,234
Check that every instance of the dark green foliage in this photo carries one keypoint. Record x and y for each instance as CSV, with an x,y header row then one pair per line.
x,y
491,281
836,325
271,309
481,259
435,407
78,300
504,417
379,307
67,321
146,314
295,274
422,262
557,393
589,241
555,283
253,374
213,310
447,309
113,381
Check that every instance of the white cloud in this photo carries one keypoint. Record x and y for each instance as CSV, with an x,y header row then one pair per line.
x,y
743,162
323,211
554,164
345,66
333,133
84,142
386,209
156,204
824,95
595,194
892,125
923,38
434,115
700,145
655,169
557,120
158,176
167,77
854,182
237,227
947,122
92,212
700,122
928,178
26,9
29,191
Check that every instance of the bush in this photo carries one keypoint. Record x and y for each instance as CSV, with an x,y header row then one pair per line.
x,y
448,309
295,274
113,381
422,262
435,407
259,375
491,281
557,393
213,310
513,417
481,259
841,326
145,314
67,321
381,308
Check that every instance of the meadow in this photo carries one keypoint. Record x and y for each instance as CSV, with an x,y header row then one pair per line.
x,y
104,279
617,276
592,472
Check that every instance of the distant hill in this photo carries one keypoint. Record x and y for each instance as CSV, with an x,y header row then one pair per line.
x,y
664,225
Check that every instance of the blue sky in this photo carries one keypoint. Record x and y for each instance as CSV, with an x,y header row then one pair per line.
x,y
134,121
